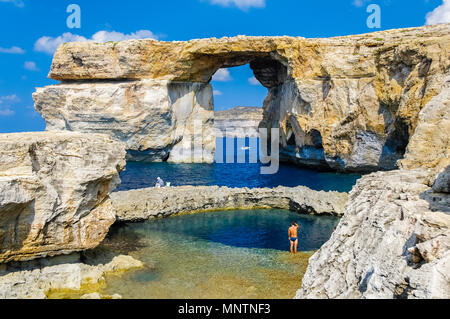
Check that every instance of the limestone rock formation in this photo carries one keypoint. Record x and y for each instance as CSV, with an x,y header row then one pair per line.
x,y
54,192
430,144
442,182
348,103
155,119
238,122
393,242
38,279
143,204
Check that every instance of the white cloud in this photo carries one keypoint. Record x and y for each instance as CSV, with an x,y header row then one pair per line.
x,y
17,3
439,15
253,81
5,104
360,3
10,98
222,75
12,50
217,92
30,66
49,44
241,4
6,111
105,36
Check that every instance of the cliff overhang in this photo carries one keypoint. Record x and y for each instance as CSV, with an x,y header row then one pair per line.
x,y
349,103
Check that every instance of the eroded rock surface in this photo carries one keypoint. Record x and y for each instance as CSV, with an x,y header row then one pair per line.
x,y
62,276
54,192
393,242
442,182
143,204
430,145
348,103
156,120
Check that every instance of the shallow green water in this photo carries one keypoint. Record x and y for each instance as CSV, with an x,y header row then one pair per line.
x,y
232,254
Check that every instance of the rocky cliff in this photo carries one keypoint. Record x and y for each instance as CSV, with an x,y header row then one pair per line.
x,y
143,204
54,192
430,145
393,241
238,122
357,103
157,120
348,103
394,238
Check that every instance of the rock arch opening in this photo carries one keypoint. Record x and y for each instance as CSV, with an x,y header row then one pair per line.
x,y
333,88
240,86
267,71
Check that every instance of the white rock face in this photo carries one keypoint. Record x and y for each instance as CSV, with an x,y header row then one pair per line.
x,y
54,192
157,120
36,279
393,242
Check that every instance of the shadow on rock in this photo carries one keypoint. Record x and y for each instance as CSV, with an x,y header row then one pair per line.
x,y
119,241
438,196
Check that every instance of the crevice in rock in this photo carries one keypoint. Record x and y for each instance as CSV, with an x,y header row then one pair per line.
x,y
403,290
327,85
16,226
363,282
77,60
98,81
316,138
291,139
412,255
395,146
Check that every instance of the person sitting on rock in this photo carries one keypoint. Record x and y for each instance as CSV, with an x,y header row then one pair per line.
x,y
159,183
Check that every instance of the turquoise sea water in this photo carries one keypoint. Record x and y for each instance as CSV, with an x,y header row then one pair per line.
x,y
231,254
228,254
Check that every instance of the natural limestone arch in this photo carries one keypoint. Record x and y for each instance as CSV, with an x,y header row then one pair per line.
x,y
362,93
269,71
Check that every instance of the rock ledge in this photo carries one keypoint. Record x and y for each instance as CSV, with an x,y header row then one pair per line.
x,y
143,204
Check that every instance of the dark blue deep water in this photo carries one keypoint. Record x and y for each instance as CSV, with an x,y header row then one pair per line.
x,y
245,228
142,175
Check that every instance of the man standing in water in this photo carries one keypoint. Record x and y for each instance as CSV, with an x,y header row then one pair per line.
x,y
293,237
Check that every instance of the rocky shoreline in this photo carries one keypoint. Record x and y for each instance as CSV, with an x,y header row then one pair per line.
x,y
82,275
360,103
54,192
57,204
393,241
144,204
77,274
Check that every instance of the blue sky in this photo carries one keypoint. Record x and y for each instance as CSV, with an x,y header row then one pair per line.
x,y
31,29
